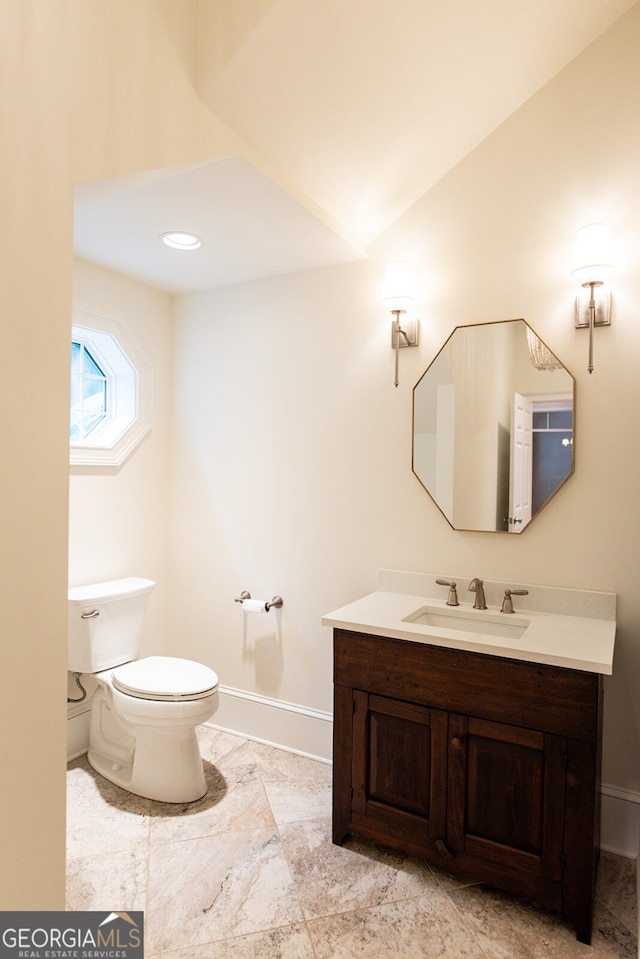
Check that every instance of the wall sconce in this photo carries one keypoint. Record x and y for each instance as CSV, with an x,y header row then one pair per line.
x,y
593,261
397,295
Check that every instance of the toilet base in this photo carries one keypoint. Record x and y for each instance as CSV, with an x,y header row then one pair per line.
x,y
166,766
149,748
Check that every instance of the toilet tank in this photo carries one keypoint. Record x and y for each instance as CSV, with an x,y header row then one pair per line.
x,y
105,623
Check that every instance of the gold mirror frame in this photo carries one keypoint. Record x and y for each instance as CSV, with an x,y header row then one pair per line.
x,y
493,427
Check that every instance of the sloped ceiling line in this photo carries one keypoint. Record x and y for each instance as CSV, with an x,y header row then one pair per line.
x,y
360,105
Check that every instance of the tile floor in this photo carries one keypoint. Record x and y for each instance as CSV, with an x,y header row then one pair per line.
x,y
249,872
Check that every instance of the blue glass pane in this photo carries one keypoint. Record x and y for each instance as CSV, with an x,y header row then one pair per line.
x,y
560,420
551,466
90,421
76,356
88,393
76,389
540,421
95,393
90,365
74,427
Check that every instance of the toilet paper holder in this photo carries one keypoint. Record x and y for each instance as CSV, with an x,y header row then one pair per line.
x,y
276,602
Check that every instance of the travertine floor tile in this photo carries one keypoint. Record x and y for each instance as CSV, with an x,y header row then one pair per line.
x,y
288,942
332,879
249,872
225,751
277,764
511,928
234,801
616,889
115,881
101,817
411,929
217,888
295,801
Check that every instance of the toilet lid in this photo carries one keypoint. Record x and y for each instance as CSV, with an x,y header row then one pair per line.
x,y
165,678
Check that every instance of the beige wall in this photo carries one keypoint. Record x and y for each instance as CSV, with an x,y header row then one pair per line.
x,y
88,90
292,448
117,517
496,238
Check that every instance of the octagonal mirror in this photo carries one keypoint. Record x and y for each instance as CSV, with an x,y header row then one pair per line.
x,y
493,427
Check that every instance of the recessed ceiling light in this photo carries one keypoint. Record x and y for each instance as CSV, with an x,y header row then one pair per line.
x,y
181,241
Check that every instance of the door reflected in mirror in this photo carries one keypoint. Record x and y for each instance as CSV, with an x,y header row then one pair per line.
x,y
493,427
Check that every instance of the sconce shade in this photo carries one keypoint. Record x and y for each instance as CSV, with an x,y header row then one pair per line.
x,y
397,291
594,253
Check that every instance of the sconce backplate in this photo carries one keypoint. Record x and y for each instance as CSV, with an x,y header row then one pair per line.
x,y
603,309
411,328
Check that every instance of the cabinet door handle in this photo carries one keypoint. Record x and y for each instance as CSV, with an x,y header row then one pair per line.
x,y
442,849
456,742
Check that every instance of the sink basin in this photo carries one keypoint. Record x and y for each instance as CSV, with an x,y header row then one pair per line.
x,y
467,621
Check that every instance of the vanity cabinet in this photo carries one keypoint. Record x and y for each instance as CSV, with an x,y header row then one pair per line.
x,y
482,765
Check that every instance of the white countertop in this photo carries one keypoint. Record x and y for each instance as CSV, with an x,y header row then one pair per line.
x,y
573,642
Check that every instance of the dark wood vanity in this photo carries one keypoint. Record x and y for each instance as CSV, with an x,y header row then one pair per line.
x,y
482,765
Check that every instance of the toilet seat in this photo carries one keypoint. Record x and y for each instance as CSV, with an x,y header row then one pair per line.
x,y
165,678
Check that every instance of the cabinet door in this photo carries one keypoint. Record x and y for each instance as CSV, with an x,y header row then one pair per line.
x,y
506,796
398,771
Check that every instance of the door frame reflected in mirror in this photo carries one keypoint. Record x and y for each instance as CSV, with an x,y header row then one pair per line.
x,y
467,443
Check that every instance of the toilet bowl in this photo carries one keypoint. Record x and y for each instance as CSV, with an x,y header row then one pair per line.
x,y
145,712
145,739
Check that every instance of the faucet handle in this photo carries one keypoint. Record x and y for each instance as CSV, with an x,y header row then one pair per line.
x,y
507,602
452,598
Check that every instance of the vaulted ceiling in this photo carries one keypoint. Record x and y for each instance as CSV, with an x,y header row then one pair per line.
x,y
359,105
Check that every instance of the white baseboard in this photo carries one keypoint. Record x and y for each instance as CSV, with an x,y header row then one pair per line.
x,y
298,729
308,732
78,732
620,821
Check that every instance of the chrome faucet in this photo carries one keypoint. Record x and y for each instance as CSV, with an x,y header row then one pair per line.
x,y
477,586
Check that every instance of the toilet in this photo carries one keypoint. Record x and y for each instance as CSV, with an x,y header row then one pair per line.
x,y
144,712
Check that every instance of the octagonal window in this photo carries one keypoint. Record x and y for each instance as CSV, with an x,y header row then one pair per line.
x,y
110,391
